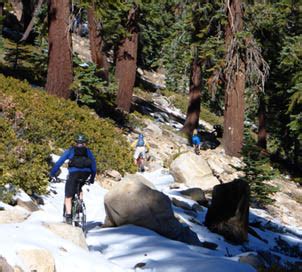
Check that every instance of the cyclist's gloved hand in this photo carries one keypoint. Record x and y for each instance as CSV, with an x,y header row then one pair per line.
x,y
91,180
53,179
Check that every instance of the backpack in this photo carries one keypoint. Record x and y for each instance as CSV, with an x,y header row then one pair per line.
x,y
140,142
80,158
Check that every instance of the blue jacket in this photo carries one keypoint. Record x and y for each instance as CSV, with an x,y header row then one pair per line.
x,y
195,140
67,155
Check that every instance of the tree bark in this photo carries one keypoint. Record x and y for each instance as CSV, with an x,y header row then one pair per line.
x,y
59,73
96,44
234,115
262,134
234,96
126,64
193,111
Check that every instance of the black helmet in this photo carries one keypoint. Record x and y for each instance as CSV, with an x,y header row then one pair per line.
x,y
80,139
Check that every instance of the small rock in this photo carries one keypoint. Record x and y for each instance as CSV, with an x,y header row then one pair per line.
x,y
252,259
37,260
28,205
114,174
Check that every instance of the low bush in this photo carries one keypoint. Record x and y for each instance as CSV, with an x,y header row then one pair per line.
x,y
33,125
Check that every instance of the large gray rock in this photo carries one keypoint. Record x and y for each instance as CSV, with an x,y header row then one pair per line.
x,y
37,260
194,171
229,211
133,202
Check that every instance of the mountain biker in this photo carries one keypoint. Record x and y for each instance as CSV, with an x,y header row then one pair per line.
x,y
81,165
196,140
141,147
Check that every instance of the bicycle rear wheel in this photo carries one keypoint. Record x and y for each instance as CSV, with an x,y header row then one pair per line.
x,y
79,214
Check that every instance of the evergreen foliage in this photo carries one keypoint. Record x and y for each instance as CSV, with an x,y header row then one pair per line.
x,y
258,171
35,124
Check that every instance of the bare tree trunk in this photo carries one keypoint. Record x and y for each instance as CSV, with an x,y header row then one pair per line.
x,y
235,76
1,23
126,64
27,12
96,44
262,134
59,73
193,111
32,21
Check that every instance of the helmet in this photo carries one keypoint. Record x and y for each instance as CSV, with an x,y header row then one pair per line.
x,y
80,139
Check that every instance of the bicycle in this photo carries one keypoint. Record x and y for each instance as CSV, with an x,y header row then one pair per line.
x,y
140,161
78,208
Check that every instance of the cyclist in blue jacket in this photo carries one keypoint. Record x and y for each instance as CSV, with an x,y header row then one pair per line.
x,y
81,165
196,141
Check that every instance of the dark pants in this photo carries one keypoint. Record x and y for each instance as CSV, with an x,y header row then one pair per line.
x,y
73,182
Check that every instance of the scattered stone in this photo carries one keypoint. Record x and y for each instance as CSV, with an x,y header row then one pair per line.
x,y
114,174
252,259
139,265
68,232
196,194
28,205
12,216
37,260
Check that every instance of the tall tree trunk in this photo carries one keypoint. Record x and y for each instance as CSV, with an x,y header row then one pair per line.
x,y
193,111
126,64
235,75
28,7
59,73
262,134
96,44
1,23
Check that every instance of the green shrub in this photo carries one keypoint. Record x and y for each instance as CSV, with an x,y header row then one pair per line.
x,y
36,124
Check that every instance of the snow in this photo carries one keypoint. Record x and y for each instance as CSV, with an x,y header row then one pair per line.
x,y
122,248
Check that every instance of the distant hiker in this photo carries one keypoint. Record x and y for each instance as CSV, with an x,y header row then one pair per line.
x,y
141,147
81,165
196,141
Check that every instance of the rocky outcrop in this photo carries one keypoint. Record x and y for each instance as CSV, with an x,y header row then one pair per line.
x,y
68,232
194,171
229,211
133,202
37,260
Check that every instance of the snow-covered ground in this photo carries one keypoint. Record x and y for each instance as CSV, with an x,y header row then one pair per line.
x,y
132,248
